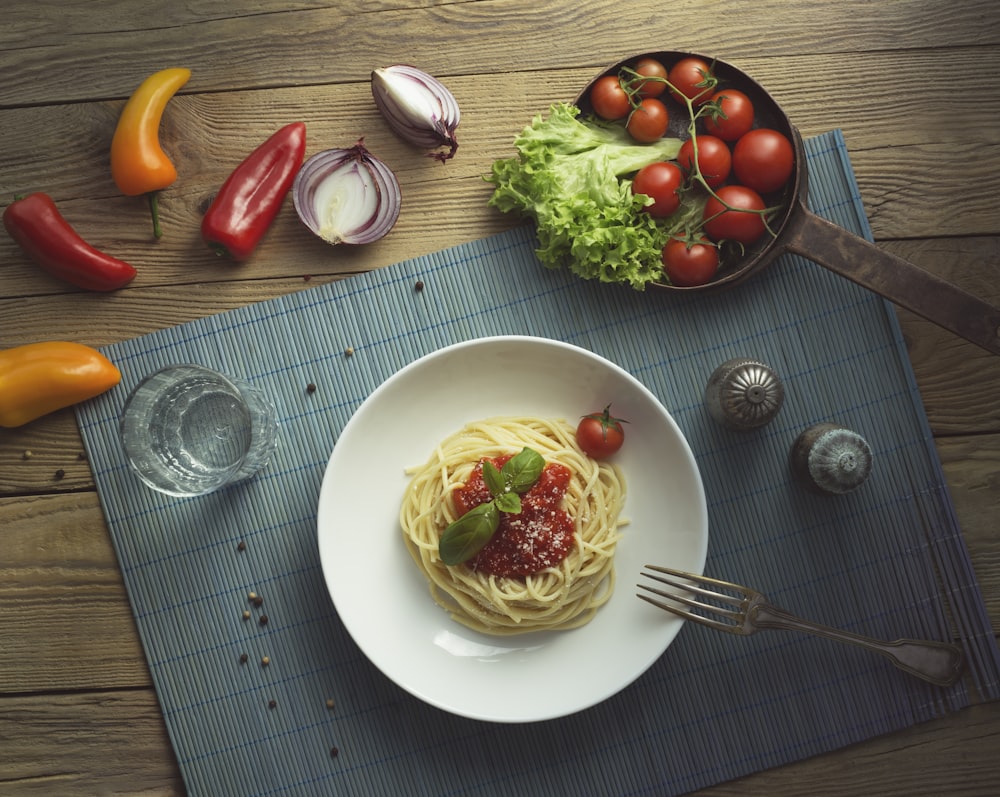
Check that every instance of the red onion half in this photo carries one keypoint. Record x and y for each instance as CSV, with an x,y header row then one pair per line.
x,y
347,195
418,107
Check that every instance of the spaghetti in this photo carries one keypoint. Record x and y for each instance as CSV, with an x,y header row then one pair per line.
x,y
565,594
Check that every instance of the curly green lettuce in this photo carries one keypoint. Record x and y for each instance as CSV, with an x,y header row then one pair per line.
x,y
567,178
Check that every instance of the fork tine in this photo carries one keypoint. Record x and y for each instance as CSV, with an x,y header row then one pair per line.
x,y
684,613
726,612
705,607
701,579
689,587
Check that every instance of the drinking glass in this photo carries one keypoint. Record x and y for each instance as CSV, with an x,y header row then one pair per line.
x,y
189,430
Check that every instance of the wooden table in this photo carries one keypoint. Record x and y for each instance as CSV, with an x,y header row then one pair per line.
x,y
911,83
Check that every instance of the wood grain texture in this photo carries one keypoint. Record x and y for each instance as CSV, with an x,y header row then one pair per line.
x,y
907,82
64,600
87,743
279,44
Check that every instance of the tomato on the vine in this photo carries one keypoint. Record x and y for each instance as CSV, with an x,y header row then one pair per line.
x,y
660,181
600,435
714,158
690,263
741,221
734,117
608,99
648,122
650,68
763,160
693,78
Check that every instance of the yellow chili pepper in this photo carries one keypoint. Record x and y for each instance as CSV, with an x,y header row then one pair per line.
x,y
40,378
138,163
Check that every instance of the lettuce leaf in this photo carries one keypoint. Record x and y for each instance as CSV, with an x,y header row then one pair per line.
x,y
567,178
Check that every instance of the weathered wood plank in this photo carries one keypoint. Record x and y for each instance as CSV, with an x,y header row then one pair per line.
x,y
64,601
957,379
309,43
44,455
90,743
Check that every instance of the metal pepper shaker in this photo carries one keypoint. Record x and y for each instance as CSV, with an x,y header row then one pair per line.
x,y
828,458
744,394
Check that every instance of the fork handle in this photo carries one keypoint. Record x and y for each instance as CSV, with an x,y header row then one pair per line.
x,y
938,662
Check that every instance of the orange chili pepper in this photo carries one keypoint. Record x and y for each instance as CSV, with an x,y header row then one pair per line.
x,y
138,163
39,378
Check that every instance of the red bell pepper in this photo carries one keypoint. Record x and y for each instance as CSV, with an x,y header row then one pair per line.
x,y
251,197
48,239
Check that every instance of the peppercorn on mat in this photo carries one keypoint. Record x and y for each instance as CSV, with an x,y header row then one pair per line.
x,y
307,714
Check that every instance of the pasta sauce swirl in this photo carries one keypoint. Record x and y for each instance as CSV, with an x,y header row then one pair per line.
x,y
539,536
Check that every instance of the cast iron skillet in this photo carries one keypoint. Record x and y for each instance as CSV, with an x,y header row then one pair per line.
x,y
799,231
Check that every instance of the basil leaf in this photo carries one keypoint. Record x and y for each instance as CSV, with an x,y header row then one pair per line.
x,y
521,471
464,538
508,502
492,479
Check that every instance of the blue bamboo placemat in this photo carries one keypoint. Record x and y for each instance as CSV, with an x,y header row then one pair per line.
x,y
887,560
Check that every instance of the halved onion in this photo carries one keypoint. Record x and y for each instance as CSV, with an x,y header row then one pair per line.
x,y
418,107
347,195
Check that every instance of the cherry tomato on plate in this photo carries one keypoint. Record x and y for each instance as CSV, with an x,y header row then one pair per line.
x,y
650,68
648,122
693,78
734,117
763,159
608,99
714,158
741,221
659,181
600,435
688,264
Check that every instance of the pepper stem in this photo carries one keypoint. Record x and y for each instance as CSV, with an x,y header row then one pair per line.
x,y
154,211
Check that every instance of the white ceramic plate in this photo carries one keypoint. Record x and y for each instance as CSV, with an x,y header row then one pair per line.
x,y
383,599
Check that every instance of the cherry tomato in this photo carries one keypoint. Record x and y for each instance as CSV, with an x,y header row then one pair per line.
x,y
608,99
763,160
735,224
659,181
693,78
738,115
714,158
690,264
600,435
648,122
651,68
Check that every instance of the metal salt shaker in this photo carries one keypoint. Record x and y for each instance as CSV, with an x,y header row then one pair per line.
x,y
744,394
828,458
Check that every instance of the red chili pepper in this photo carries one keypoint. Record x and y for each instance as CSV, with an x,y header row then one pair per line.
x,y
48,239
251,197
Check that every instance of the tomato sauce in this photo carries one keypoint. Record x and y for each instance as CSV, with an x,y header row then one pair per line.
x,y
539,536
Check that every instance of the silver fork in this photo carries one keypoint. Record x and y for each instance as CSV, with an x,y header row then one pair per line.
x,y
741,610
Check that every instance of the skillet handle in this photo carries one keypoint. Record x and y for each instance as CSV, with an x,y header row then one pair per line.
x,y
898,280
